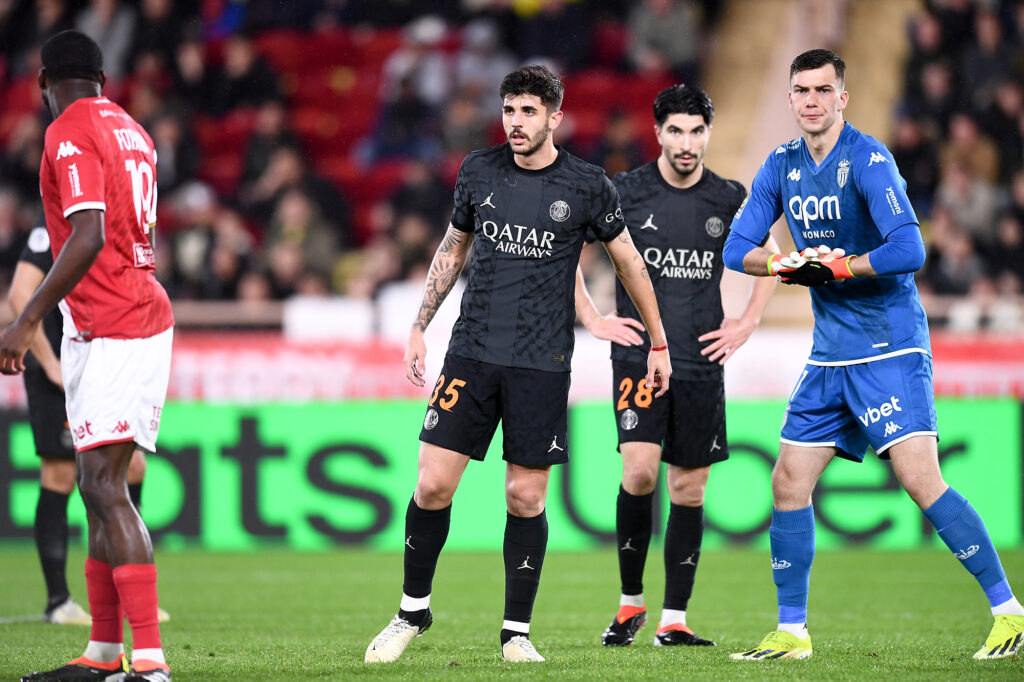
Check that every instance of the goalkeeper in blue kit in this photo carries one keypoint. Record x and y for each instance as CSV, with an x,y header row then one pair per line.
x,y
869,378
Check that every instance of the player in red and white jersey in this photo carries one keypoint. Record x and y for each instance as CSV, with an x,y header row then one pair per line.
x,y
98,183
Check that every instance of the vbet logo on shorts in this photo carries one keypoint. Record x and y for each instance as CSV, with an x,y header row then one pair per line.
x,y
873,414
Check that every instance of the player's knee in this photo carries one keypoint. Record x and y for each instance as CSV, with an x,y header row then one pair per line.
x,y
433,493
100,488
524,501
686,493
639,480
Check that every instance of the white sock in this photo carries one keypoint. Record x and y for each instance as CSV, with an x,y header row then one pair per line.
x,y
670,616
103,652
1010,607
156,655
414,603
636,600
516,626
798,629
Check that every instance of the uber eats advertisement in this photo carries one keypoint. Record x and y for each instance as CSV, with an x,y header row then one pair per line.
x,y
317,475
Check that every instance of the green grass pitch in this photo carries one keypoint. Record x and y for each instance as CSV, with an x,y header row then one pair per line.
x,y
285,616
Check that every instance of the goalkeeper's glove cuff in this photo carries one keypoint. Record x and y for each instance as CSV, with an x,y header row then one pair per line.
x,y
841,268
774,264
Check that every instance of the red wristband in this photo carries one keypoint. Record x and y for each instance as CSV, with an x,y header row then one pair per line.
x,y
659,348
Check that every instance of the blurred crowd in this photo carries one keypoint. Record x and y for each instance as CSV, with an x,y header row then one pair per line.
x,y
311,147
959,142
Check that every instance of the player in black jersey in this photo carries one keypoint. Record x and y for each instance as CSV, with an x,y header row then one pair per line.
x,y
48,418
680,213
524,207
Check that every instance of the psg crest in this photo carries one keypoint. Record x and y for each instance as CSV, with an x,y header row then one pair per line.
x,y
628,420
559,211
843,172
714,226
431,419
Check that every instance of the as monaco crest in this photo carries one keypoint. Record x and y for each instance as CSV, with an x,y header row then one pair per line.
x,y
843,172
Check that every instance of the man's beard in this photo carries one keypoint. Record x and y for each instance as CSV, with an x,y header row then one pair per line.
x,y
542,138
682,170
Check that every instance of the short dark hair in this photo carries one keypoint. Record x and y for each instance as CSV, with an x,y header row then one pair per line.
x,y
536,80
815,59
72,54
683,99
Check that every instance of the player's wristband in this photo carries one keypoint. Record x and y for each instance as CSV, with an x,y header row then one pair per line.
x,y
773,264
659,348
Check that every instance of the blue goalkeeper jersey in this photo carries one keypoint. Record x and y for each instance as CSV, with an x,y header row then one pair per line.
x,y
853,200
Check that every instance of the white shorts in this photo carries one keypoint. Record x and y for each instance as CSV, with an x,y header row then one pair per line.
x,y
115,389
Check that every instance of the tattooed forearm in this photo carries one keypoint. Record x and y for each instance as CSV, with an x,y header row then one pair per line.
x,y
451,239
444,272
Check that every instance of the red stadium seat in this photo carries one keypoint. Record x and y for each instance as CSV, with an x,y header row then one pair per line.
x,y
285,50
375,46
599,89
610,40
223,172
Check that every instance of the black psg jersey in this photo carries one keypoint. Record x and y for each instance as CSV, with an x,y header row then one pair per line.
x,y
37,252
518,308
680,234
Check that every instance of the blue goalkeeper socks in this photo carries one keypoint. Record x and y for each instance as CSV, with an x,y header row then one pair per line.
x,y
964,533
792,541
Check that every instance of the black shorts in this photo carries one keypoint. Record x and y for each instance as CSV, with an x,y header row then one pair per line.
x,y
471,397
688,421
47,414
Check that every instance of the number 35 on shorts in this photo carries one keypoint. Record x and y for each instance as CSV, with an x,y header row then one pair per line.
x,y
449,396
643,396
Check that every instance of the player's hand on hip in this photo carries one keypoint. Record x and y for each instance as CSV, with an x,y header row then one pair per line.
x,y
13,344
726,339
415,355
620,330
659,371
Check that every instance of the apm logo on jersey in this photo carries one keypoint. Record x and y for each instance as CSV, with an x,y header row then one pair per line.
x,y
681,263
812,208
519,240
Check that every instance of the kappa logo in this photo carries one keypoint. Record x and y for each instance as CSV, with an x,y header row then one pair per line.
x,y
873,414
843,172
120,427
649,225
967,553
877,157
554,445
794,175
780,564
66,149
891,428
487,201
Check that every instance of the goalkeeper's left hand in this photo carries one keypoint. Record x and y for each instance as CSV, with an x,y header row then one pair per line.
x,y
815,267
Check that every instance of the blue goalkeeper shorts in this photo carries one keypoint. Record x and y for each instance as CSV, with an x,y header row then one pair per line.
x,y
850,407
